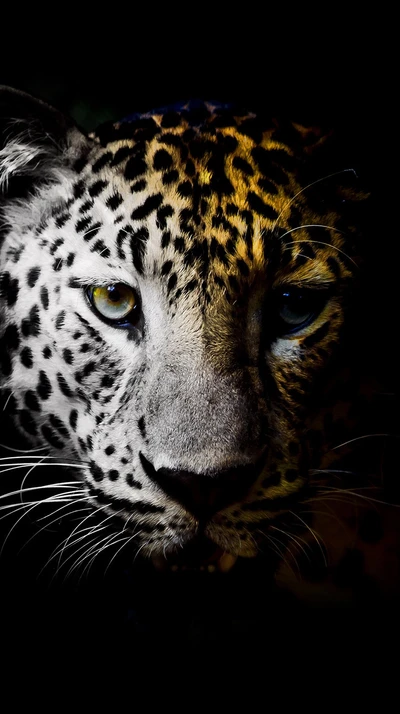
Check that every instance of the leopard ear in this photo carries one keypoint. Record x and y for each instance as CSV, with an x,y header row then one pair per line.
x,y
35,140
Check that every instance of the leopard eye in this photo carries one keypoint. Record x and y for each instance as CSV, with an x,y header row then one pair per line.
x,y
117,304
298,307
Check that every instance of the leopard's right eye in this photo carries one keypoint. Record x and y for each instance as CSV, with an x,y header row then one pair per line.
x,y
298,307
117,304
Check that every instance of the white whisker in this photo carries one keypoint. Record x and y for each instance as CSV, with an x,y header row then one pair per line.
x,y
313,183
313,534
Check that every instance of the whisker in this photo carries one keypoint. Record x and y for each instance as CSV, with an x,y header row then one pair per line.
x,y
278,551
318,242
22,451
7,400
48,525
324,178
313,534
292,537
365,436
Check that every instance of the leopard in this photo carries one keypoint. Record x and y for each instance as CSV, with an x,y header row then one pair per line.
x,y
184,296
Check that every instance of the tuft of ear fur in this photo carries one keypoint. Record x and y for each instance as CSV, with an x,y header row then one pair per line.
x,y
35,139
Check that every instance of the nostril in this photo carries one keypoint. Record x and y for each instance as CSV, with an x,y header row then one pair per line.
x,y
203,494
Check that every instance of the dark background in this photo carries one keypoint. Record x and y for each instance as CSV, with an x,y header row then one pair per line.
x,y
328,63
335,64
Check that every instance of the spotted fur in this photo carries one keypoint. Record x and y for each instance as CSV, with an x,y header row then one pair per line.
x,y
208,418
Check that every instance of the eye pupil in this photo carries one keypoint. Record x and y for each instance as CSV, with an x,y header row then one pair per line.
x,y
113,294
297,307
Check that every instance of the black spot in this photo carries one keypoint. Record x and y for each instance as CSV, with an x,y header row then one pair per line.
x,y
9,288
82,444
138,186
59,323
179,244
11,338
44,297
96,471
113,475
151,204
44,388
86,206
101,248
59,425
121,155
135,166
185,189
62,219
102,161
51,437
172,282
142,426
109,449
114,201
56,244
92,231
263,159
31,401
259,206
63,385
79,189
83,224
165,239
30,326
191,285
68,356
26,357
96,188
70,259
162,160
88,369
170,177
138,243
242,165
267,186
33,275
73,418
46,352
131,481
58,264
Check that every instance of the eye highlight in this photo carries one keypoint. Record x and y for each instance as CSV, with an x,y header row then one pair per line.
x,y
117,304
296,308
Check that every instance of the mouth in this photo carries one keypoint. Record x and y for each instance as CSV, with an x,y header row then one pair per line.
x,y
200,555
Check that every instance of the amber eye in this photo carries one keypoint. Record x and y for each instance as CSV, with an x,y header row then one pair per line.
x,y
117,304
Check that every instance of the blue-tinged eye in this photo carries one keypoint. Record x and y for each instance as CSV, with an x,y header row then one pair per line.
x,y
117,304
298,307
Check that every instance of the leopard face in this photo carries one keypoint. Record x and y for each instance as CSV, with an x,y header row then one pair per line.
x,y
178,297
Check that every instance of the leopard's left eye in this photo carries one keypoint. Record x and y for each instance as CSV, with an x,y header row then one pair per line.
x,y
298,307
117,304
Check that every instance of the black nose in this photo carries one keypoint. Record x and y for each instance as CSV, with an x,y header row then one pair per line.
x,y
201,494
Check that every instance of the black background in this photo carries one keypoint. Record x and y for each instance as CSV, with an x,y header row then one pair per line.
x,y
330,63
